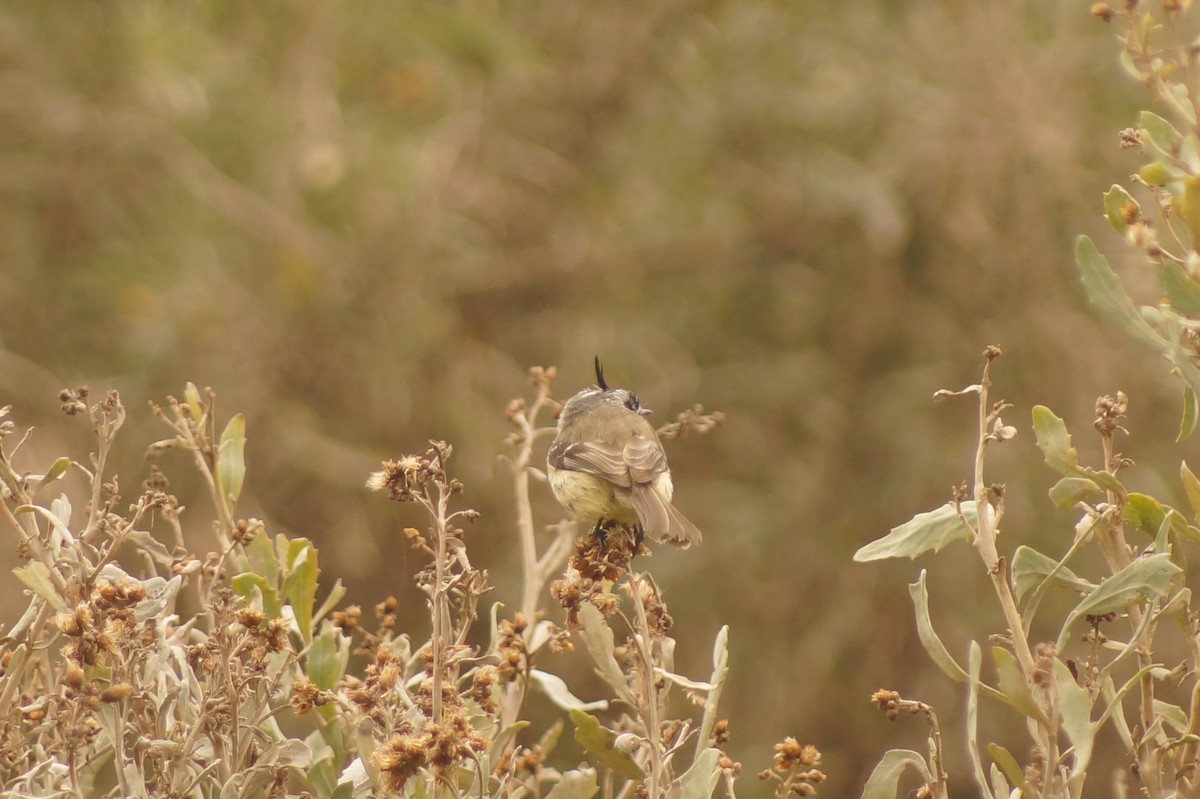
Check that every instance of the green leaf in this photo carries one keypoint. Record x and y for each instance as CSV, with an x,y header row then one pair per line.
x,y
1191,486
1160,134
36,575
575,784
885,777
262,557
937,651
1070,490
56,470
1075,714
1191,410
1156,173
699,781
1008,764
300,583
1109,692
1030,568
1054,441
1120,208
973,663
599,741
231,458
1187,205
336,594
244,585
191,396
923,533
1013,685
1182,292
1108,295
1149,515
327,658
1172,715
933,644
598,638
1144,578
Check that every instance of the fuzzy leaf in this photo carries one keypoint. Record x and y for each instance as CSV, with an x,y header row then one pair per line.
x,y
720,672
1008,764
326,663
160,593
925,532
1160,134
933,645
1075,710
300,583
599,741
36,575
575,784
598,637
973,663
1149,515
1108,295
885,778
1013,685
263,558
556,690
699,781
1054,441
1182,291
1070,490
1140,580
1030,568
244,585
146,542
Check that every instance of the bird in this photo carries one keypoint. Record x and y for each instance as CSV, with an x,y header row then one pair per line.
x,y
606,466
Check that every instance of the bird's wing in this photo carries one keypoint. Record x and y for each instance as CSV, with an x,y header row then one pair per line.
x,y
639,461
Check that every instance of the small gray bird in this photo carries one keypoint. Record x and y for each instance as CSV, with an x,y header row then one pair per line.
x,y
607,465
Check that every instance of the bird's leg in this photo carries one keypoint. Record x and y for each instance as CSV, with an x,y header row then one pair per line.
x,y
639,535
600,533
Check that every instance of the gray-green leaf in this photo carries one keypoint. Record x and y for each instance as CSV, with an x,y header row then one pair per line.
x,y
925,532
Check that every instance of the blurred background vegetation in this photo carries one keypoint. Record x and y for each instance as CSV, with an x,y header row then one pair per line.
x,y
360,223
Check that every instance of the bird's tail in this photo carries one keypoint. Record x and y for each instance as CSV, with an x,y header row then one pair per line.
x,y
661,520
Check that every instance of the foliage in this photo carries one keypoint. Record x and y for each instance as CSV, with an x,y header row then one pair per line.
x,y
1156,50
1071,689
138,669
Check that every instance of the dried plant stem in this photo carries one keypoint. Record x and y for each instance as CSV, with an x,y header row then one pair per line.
x,y
985,535
649,682
535,570
441,603
1116,553
104,436
985,543
940,786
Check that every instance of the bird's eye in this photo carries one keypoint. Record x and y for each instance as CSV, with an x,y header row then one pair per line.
x,y
631,402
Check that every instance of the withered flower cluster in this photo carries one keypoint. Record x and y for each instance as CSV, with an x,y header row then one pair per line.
x,y
795,770
405,479
591,571
416,741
